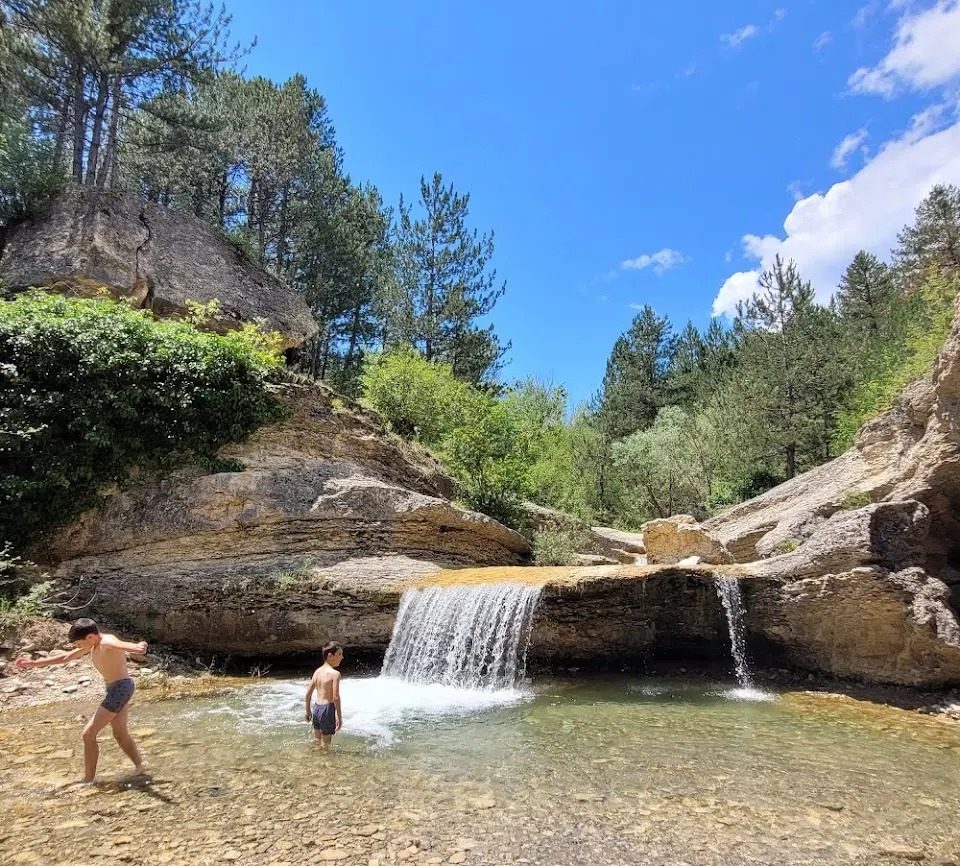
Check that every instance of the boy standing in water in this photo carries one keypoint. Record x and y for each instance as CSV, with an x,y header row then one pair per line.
x,y
325,713
109,656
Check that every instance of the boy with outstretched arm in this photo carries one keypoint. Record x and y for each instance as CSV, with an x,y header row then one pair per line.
x,y
109,656
326,714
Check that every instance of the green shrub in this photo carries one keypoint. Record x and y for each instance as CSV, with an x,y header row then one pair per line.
x,y
417,398
787,545
921,323
853,501
556,545
91,388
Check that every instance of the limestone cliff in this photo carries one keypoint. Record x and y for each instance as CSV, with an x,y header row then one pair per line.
x,y
296,547
157,258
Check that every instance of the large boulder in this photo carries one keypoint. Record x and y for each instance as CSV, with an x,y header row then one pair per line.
x,y
312,535
155,257
671,540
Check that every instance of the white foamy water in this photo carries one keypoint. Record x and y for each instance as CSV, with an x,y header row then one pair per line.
x,y
472,637
373,707
728,588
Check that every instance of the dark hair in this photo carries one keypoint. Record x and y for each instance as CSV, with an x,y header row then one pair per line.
x,y
331,649
82,628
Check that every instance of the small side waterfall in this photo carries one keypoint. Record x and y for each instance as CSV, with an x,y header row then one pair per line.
x,y
472,636
728,588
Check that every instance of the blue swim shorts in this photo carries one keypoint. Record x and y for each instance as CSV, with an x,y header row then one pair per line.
x,y
325,719
118,695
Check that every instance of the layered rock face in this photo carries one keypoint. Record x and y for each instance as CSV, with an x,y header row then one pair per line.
x,y
910,452
155,257
311,540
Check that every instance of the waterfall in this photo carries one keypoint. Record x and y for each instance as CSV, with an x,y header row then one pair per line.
x,y
467,636
728,588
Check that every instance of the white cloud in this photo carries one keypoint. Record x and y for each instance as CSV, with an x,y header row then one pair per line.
x,y
822,41
851,143
737,38
779,14
661,261
636,306
925,54
825,230
728,256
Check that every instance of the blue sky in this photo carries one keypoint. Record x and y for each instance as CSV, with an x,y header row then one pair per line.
x,y
629,153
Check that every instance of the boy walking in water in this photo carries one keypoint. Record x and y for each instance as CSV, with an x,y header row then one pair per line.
x,y
109,656
325,714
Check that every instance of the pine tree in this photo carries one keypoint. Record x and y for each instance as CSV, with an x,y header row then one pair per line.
x,y
866,290
791,373
447,284
933,241
635,385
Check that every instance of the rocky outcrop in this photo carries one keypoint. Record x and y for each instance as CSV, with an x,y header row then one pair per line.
x,y
910,452
671,540
312,537
155,257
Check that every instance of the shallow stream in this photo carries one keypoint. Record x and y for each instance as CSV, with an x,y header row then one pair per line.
x,y
586,772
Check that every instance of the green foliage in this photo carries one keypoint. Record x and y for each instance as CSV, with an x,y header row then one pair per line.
x,y
787,545
557,546
91,388
918,325
635,383
665,470
28,174
853,501
32,603
417,399
446,284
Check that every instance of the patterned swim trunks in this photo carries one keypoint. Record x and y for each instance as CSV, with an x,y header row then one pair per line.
x,y
118,695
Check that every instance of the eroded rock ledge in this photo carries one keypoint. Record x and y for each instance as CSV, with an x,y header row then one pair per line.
x,y
295,548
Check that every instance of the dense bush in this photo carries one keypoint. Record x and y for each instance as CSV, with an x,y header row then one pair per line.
x,y
91,388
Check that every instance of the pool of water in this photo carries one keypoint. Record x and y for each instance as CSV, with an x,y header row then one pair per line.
x,y
593,772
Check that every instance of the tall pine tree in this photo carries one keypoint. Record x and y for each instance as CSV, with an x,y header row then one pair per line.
x,y
447,284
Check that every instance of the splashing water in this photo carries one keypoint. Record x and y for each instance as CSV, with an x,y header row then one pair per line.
x,y
472,637
728,588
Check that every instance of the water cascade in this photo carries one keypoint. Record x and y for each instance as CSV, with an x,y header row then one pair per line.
x,y
728,588
470,636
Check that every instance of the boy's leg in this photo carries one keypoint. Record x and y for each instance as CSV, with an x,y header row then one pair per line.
x,y
325,741
91,751
121,734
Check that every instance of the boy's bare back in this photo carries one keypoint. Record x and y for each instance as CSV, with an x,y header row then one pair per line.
x,y
325,679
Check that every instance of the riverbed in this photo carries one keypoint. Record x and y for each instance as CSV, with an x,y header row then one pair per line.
x,y
593,771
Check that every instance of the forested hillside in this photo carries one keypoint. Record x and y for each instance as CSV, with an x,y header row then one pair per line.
x,y
144,97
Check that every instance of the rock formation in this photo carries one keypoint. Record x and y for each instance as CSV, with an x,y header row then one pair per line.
x,y
910,452
155,257
672,540
311,538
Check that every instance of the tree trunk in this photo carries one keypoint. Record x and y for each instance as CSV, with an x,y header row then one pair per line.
x,y
354,337
282,235
62,121
93,158
79,122
112,160
222,200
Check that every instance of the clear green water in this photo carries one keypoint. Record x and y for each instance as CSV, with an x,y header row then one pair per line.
x,y
614,771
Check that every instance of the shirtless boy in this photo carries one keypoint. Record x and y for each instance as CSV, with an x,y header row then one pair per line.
x,y
109,656
325,713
